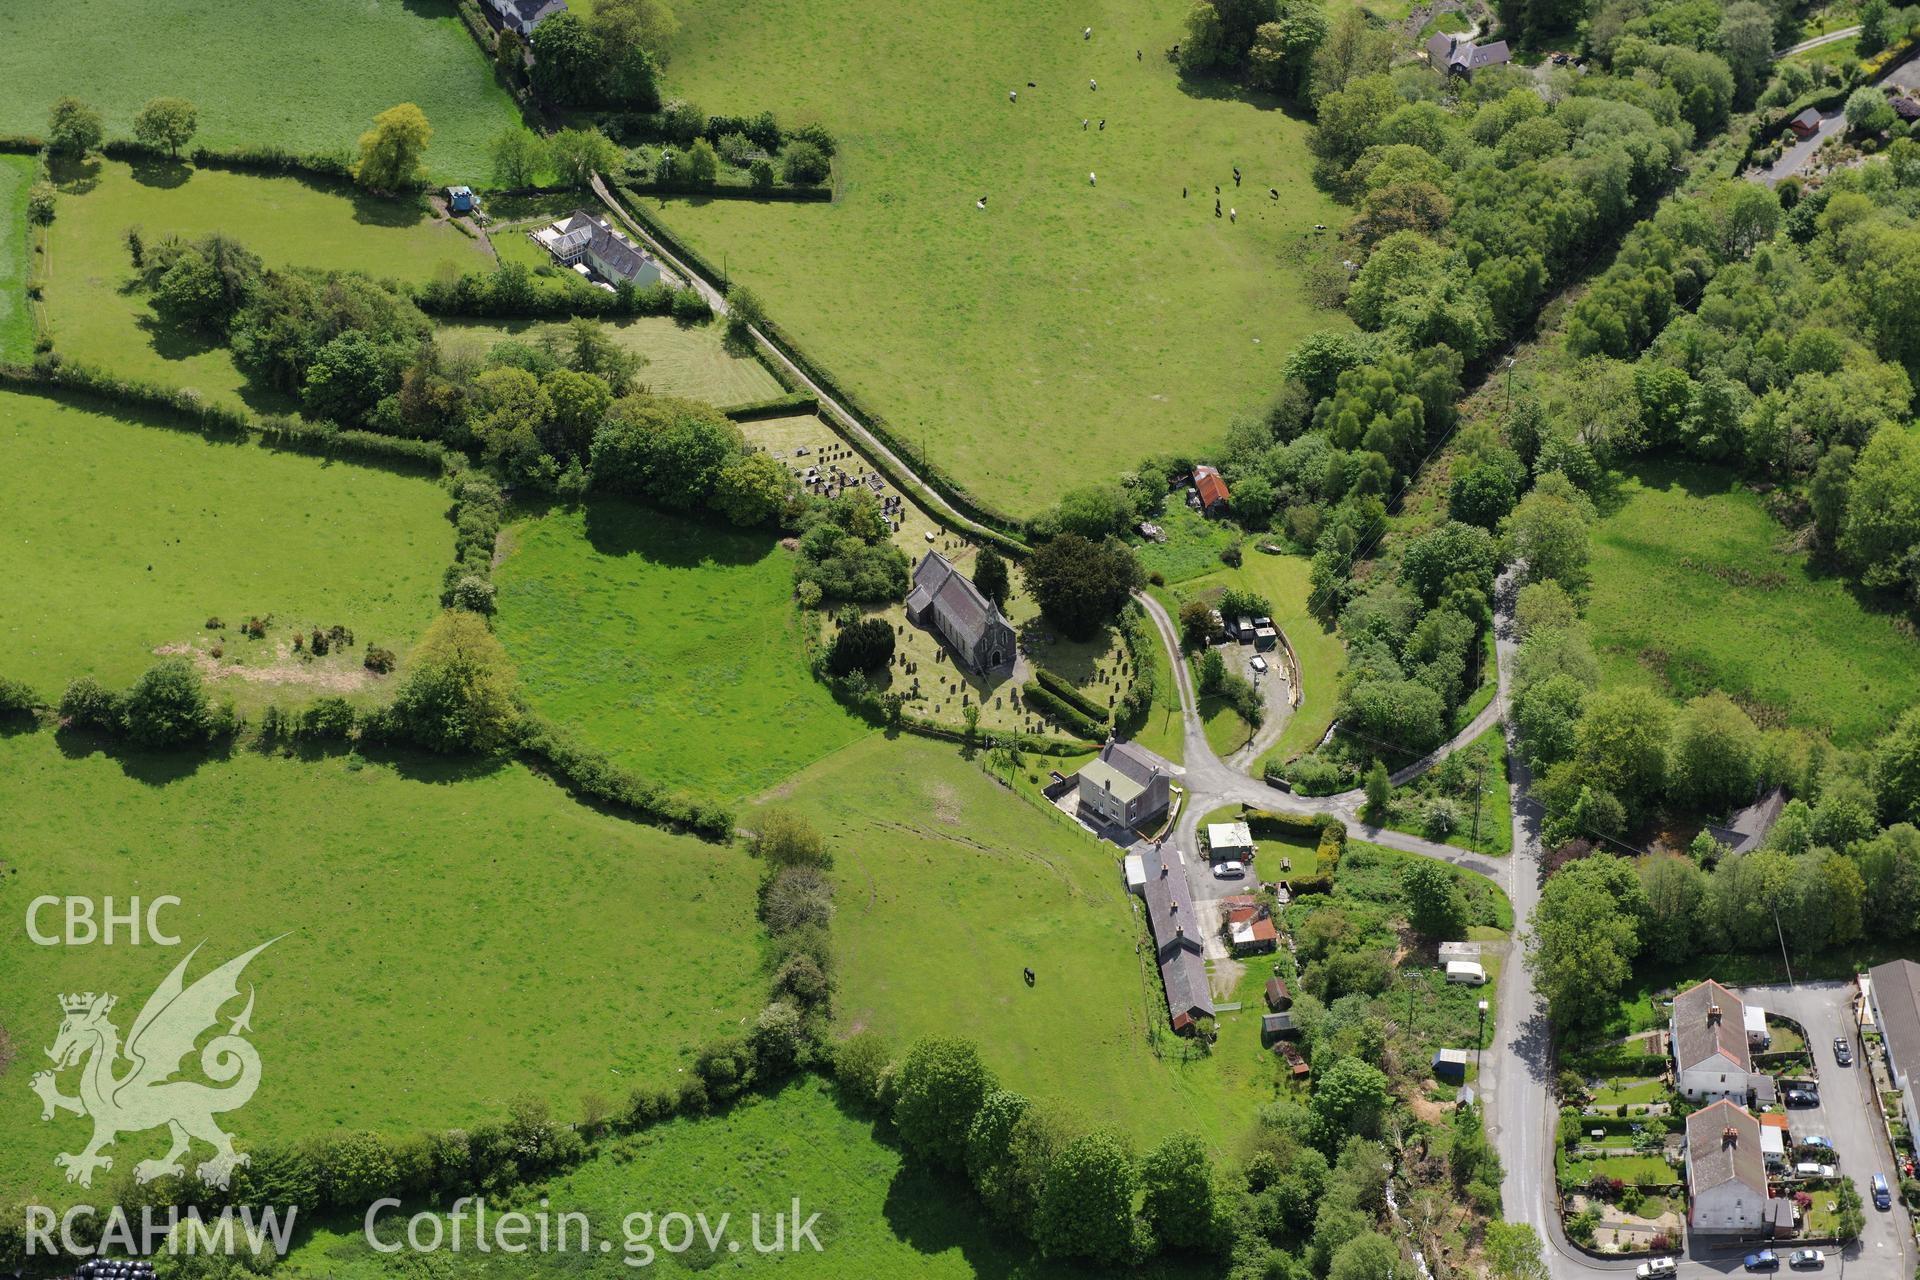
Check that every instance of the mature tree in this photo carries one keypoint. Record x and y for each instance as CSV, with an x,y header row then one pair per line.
x,y
1676,890
580,403
1350,1099
459,692
1403,713
752,489
519,157
1203,39
1896,769
166,122
1746,39
1482,495
939,1087
1873,27
804,164
669,451
1581,948
578,154
1196,625
1715,756
1086,1205
990,575
1513,1251
592,348
863,645
1547,714
167,706
990,1158
1353,48
74,128
1436,905
1371,1256
391,151
627,27
510,411
1827,900
348,376
1621,743
1890,869
567,60
1081,585
1548,530
1452,555
1828,493
1177,1176
1543,606
1868,111
1317,360
1281,58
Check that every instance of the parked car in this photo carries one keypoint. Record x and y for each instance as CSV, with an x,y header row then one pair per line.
x,y
1842,1051
1809,1169
1817,1140
1763,1261
1807,1259
1230,870
1802,1098
1882,1198
1656,1267
1258,663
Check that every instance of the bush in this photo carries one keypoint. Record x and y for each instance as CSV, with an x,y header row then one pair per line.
x,y
379,660
864,644
167,706
804,164
16,698
861,1067
459,696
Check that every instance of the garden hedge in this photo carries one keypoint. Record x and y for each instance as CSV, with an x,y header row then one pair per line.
x,y
590,773
1328,833
778,407
1037,696
1062,688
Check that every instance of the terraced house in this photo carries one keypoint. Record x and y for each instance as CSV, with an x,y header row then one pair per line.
x,y
1711,1058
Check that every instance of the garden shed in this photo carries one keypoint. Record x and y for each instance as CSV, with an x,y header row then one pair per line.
x,y
1450,1065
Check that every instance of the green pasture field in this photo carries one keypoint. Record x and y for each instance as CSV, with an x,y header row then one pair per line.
x,y
950,885
1736,609
16,317
880,1215
455,934
290,222
672,645
1068,328
122,534
305,77
1165,730
682,360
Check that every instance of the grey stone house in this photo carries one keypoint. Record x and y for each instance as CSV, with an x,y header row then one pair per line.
x,y
945,602
1176,940
1127,786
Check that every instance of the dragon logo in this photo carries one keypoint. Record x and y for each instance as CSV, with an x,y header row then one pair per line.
x,y
145,1095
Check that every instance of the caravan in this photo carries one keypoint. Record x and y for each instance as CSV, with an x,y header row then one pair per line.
x,y
1467,971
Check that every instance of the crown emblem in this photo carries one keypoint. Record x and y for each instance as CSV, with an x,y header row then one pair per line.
x,y
80,1003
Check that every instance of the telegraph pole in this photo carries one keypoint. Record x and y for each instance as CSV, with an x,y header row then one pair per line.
x,y
1479,793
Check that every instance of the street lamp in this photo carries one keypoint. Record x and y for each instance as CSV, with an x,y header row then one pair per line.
x,y
1479,1046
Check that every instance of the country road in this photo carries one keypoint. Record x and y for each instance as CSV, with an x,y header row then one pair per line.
x,y
1831,37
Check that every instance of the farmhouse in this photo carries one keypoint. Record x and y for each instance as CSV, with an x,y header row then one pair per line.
x,y
946,602
1126,786
582,240
1210,489
1710,1053
1176,939
1450,55
1893,993
521,16
1726,1174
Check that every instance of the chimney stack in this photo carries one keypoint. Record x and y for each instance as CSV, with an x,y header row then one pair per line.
x,y
1730,1137
1713,1014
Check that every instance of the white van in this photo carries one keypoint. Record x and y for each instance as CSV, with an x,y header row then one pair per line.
x,y
1467,971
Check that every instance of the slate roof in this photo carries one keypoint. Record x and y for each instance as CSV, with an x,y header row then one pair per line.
x,y
1176,935
954,598
1715,1158
1896,993
524,15
1451,53
613,253
1698,1036
1135,762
